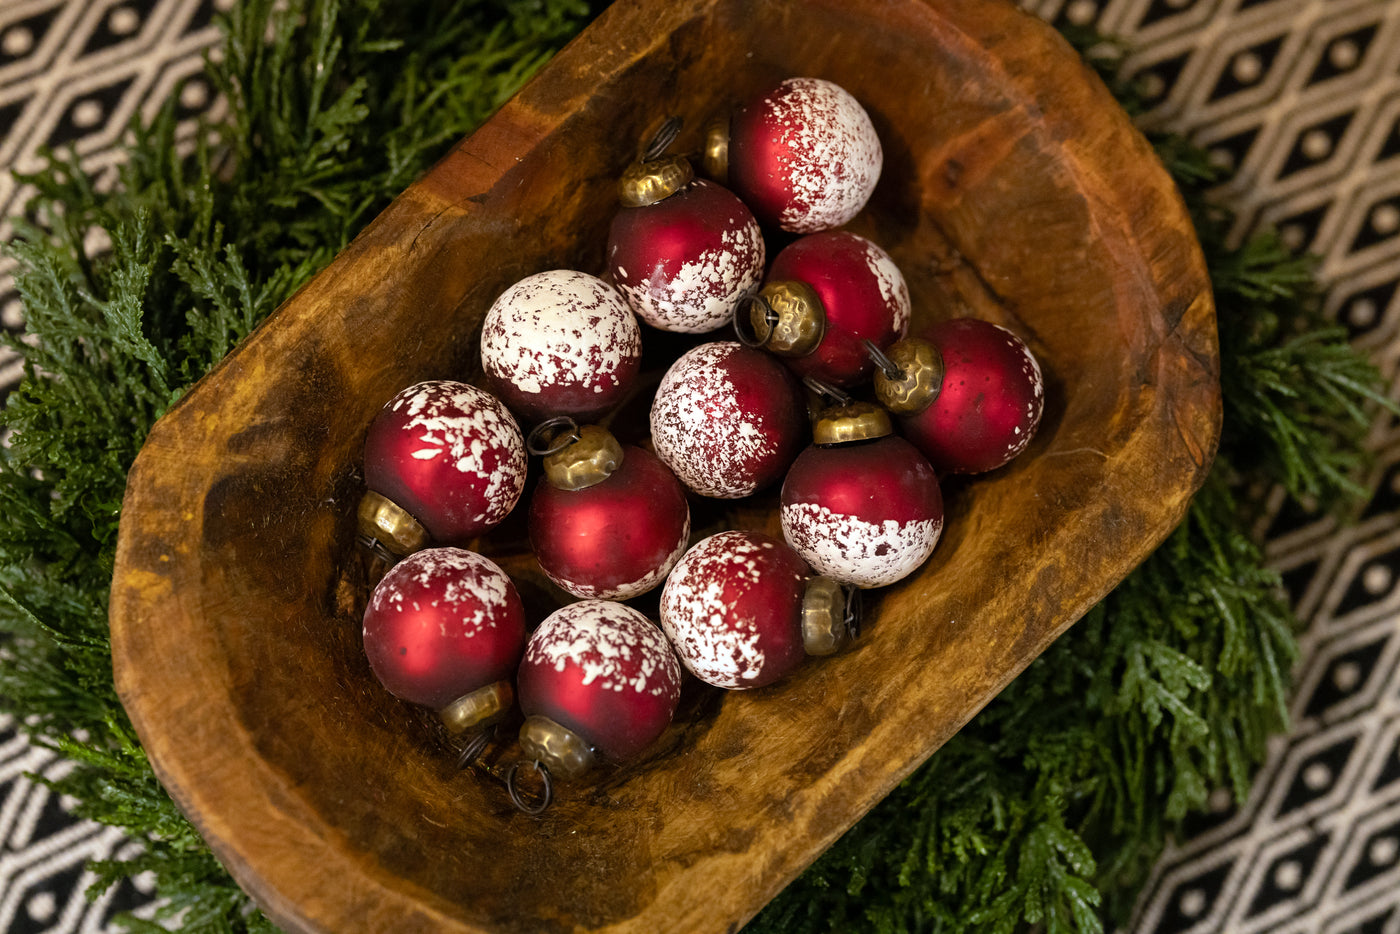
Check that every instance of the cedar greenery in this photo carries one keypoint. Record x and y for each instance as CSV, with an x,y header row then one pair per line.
x,y
1044,812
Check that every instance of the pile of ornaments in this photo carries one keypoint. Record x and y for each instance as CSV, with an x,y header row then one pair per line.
x,y
446,462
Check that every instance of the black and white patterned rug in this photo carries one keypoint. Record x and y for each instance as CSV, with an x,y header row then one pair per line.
x,y
1300,97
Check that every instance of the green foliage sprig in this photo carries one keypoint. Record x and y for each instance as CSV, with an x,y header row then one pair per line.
x,y
334,107
1052,800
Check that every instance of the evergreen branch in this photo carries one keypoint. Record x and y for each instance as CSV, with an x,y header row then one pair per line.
x,y
69,641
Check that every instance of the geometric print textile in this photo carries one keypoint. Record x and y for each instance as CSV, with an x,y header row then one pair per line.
x,y
73,75
44,850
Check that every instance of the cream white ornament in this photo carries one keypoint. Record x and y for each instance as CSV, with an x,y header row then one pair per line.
x,y
727,419
561,342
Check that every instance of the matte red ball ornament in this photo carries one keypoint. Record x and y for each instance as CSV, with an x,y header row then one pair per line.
x,y
865,512
727,419
989,404
603,671
742,610
607,521
804,155
449,455
560,343
444,624
860,296
684,263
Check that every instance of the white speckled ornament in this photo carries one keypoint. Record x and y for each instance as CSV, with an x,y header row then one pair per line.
x,y
561,343
866,512
863,297
684,263
603,671
442,623
727,419
804,155
732,609
607,521
449,454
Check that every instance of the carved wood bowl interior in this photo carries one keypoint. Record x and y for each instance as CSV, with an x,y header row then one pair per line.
x,y
1014,189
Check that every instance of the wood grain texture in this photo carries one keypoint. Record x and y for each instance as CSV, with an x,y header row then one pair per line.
x,y
1014,189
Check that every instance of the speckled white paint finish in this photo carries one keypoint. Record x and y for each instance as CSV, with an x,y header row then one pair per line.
x,y
853,551
702,296
699,429
834,157
559,328
471,589
893,289
718,646
1030,371
473,433
611,645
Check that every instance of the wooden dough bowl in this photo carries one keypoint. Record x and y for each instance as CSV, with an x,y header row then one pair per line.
x,y
1014,189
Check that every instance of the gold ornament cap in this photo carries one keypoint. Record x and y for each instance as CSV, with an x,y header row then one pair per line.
x,y
828,626
478,709
575,457
651,180
559,749
853,421
715,158
908,376
785,318
383,521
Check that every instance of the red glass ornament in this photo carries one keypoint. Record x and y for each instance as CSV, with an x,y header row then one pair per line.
x,y
615,539
867,513
804,155
684,263
603,671
560,343
727,419
990,402
863,295
732,609
450,454
441,624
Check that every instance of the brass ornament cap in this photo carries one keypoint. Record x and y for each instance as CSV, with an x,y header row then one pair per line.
x,y
914,378
386,522
786,318
557,748
825,627
854,421
715,158
651,180
588,460
479,708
